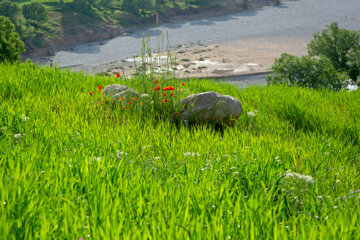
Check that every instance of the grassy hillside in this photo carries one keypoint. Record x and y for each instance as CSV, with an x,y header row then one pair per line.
x,y
84,170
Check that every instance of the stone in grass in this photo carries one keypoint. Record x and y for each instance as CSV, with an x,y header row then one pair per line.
x,y
210,107
115,92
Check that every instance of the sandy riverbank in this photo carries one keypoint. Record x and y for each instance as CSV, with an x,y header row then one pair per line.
x,y
234,58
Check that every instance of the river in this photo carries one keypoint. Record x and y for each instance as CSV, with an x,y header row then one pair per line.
x,y
291,20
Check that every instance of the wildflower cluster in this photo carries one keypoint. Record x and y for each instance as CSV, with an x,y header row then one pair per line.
x,y
164,99
161,99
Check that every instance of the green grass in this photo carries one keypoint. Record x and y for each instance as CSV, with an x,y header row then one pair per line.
x,y
64,179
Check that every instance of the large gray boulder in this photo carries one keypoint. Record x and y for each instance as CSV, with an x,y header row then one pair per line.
x,y
115,92
210,107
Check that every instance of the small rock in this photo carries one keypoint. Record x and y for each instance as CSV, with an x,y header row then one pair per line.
x,y
117,91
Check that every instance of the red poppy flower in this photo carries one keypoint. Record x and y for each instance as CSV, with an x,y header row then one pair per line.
x,y
129,102
171,94
156,81
164,94
91,93
165,88
183,84
103,100
124,107
171,88
99,88
134,99
118,75
121,99
150,89
165,100
175,113
157,88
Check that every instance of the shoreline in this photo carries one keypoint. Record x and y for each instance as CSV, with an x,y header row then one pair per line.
x,y
108,32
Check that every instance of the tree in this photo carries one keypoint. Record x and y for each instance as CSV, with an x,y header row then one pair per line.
x,y
10,10
35,12
10,44
61,4
335,43
306,72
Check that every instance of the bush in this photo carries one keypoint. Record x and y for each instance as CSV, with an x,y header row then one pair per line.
x,y
35,12
337,44
10,10
306,72
10,44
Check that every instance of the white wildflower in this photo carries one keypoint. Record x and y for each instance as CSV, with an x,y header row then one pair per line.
x,y
146,147
17,136
251,114
120,154
95,159
305,178
196,154
24,118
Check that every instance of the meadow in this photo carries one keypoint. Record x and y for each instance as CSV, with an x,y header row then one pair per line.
x,y
72,167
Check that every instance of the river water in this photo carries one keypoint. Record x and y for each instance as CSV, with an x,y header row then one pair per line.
x,y
293,19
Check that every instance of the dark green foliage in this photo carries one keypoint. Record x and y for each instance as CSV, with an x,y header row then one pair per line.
x,y
137,7
305,72
337,44
10,44
35,12
10,10
82,4
334,56
200,2
61,4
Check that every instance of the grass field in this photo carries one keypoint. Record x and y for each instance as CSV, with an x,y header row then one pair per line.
x,y
82,170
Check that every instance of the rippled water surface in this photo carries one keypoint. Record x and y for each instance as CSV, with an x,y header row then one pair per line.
x,y
296,18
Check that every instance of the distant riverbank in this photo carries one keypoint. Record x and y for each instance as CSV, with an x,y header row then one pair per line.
x,y
234,44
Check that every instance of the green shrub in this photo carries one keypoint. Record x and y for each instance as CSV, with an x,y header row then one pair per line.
x,y
10,10
305,72
35,12
340,46
10,44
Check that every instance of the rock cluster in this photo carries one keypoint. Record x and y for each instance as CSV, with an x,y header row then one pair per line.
x,y
206,107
